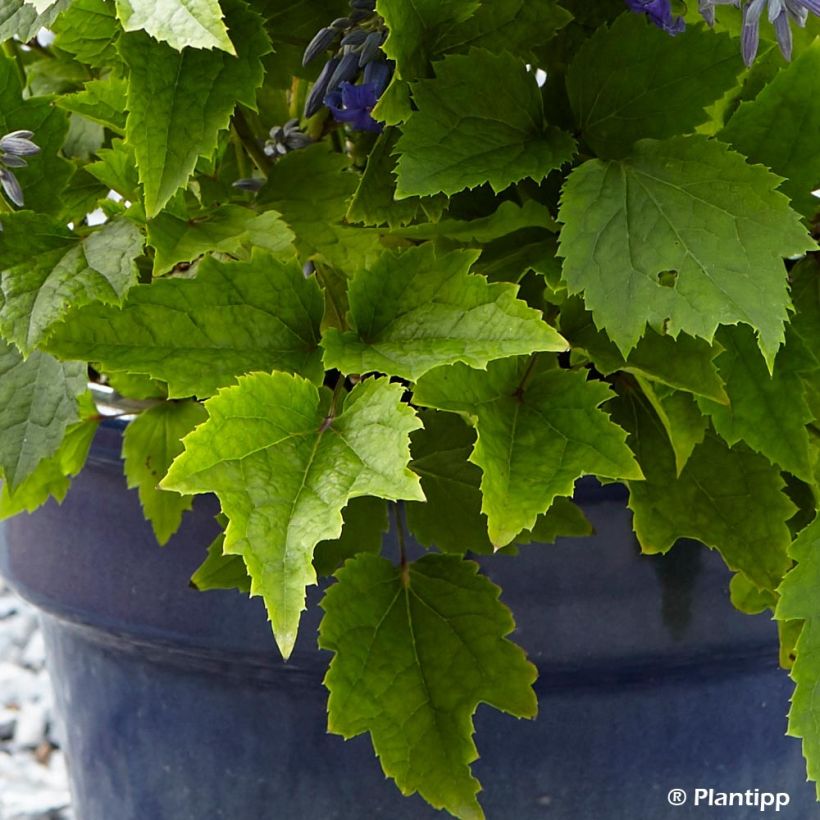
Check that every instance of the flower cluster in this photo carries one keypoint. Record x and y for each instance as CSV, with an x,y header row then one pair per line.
x,y
358,39
781,14
14,148
285,138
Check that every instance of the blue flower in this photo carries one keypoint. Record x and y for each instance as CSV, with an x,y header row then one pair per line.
x,y
660,13
352,104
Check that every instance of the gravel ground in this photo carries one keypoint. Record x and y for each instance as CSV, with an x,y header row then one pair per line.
x,y
33,781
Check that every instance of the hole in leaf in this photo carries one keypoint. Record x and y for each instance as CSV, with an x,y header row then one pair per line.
x,y
668,278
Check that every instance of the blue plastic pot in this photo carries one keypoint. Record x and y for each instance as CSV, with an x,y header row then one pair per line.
x,y
178,706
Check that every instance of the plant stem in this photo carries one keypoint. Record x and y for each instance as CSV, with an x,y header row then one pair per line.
x,y
241,156
249,142
331,412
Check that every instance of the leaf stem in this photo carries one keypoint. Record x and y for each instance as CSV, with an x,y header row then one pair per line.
x,y
331,412
405,572
522,385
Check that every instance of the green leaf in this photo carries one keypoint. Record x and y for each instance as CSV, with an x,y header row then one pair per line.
x,y
89,30
517,26
45,270
414,29
179,101
22,20
149,445
284,465
456,141
563,519
416,310
180,23
47,173
220,571
631,80
538,431
729,499
374,201
230,229
659,210
684,363
747,598
200,334
117,169
101,100
417,648
767,411
680,416
451,519
311,189
804,715
38,401
779,128
52,476
508,218
365,523
799,600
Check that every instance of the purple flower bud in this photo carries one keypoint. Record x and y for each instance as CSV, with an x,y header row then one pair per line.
x,y
18,143
370,48
12,187
12,161
346,71
321,41
251,184
377,74
319,90
750,33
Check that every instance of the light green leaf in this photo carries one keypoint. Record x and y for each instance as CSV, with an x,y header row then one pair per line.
x,y
149,445
747,598
284,464
779,128
631,80
101,100
38,401
365,523
684,363
180,23
416,310
47,172
415,27
230,229
660,210
538,431
729,499
200,334
52,476
456,141
798,591
767,411
179,101
45,270
434,636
